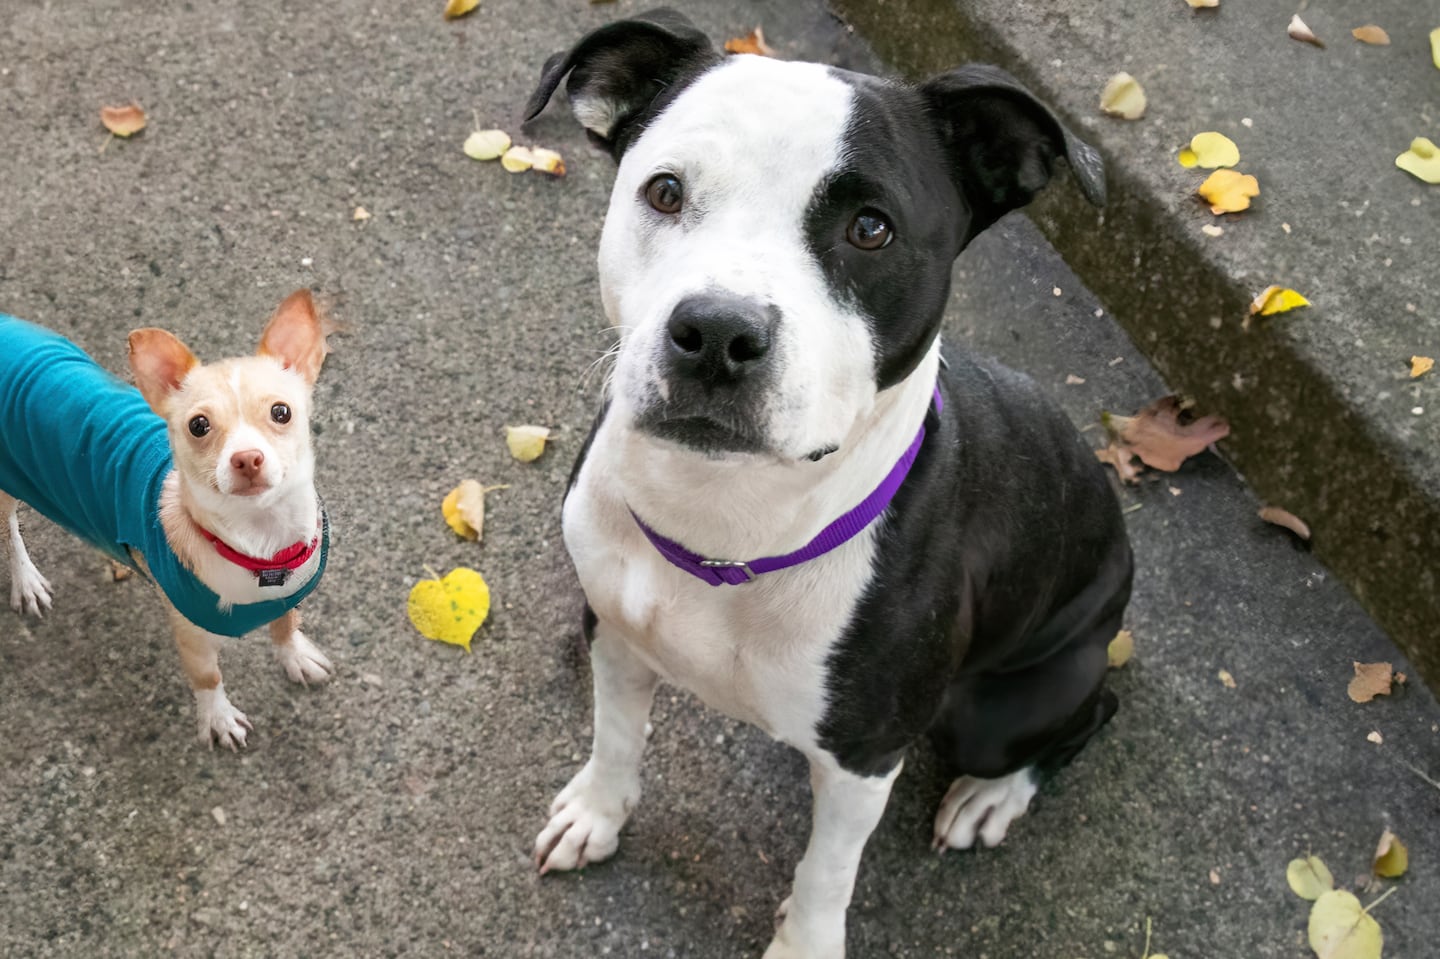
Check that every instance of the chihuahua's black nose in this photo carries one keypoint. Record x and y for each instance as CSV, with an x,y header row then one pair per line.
x,y
718,338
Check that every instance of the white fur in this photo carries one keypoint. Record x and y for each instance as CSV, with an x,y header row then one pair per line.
x,y
218,720
982,808
29,591
302,660
750,141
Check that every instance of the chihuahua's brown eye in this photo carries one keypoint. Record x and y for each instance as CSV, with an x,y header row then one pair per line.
x,y
199,426
869,230
665,194
280,413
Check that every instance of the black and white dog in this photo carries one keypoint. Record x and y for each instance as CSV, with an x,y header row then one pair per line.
x,y
791,506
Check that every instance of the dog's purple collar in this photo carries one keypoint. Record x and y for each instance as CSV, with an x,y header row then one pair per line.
x,y
720,572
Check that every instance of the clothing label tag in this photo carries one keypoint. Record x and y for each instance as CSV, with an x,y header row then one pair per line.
x,y
273,577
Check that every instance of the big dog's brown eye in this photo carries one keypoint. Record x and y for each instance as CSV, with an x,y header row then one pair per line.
x,y
665,194
199,426
280,413
869,230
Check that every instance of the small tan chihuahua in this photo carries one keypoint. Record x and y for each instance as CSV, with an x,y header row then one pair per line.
x,y
202,480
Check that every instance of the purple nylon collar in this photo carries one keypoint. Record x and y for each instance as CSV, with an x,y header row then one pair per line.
x,y
721,572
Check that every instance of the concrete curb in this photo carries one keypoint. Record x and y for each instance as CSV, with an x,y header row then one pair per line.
x,y
1310,432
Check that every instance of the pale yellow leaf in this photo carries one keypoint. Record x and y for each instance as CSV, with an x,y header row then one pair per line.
x,y
1123,97
458,8
123,121
1391,857
1435,47
1198,4
517,159
1371,34
1121,648
450,609
1287,519
526,442
360,214
547,161
1371,680
1226,679
1421,160
1309,878
486,144
1228,191
1299,31
1210,150
1420,365
1276,299
1341,929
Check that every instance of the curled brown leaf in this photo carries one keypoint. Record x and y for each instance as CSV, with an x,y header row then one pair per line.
x,y
1165,433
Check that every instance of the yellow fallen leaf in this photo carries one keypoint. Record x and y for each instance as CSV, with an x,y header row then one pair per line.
x,y
1371,34
1391,857
1435,47
1197,4
1228,191
1341,929
1420,365
547,161
526,442
458,8
517,159
1309,878
1421,160
1210,150
1121,648
754,43
1299,31
451,609
1371,680
1226,679
123,121
464,508
486,144
1123,97
1287,519
1276,299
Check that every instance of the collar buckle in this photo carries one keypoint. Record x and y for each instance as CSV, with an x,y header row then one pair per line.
x,y
735,564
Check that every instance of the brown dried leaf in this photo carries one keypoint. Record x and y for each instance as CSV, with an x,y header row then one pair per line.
x,y
1165,433
1371,34
123,121
1287,519
754,43
1122,459
1371,680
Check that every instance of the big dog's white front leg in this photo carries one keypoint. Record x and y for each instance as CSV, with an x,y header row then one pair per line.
x,y
846,810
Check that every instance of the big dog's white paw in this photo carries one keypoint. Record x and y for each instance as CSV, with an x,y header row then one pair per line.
x,y
982,807
29,591
585,820
218,720
792,943
302,660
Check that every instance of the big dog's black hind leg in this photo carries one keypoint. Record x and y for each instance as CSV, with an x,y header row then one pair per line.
x,y
1001,732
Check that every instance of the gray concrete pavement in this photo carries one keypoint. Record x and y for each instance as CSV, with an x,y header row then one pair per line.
x,y
392,812
1321,401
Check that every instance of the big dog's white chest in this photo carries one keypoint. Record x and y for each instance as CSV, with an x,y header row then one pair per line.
x,y
756,652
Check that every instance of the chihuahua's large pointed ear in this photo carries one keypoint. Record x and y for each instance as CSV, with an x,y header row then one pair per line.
x,y
617,71
1002,142
159,361
296,335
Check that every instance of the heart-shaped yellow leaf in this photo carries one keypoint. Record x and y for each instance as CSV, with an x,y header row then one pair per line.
x,y
1121,648
1420,365
1210,150
1391,856
526,442
1276,299
458,8
1421,160
123,121
450,609
1341,929
1228,191
1123,97
1309,878
486,144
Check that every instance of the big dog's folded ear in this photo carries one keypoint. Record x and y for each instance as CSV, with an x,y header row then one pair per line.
x,y
617,71
1002,142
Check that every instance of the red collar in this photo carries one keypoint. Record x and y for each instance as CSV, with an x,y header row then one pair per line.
x,y
290,558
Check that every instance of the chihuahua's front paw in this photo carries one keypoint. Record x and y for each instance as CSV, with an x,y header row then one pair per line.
x,y
585,821
303,661
29,591
219,721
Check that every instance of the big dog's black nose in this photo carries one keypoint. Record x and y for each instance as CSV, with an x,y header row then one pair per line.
x,y
717,338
